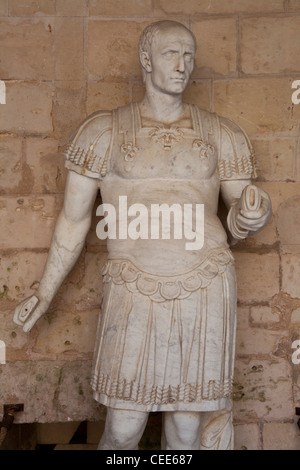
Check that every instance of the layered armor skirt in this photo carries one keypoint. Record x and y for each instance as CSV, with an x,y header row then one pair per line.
x,y
167,343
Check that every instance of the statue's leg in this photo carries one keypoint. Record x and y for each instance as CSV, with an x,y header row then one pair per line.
x,y
217,431
181,430
123,429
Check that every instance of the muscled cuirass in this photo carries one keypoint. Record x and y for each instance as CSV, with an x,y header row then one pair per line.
x,y
150,165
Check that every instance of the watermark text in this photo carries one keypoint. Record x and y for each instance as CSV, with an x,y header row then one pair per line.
x,y
161,221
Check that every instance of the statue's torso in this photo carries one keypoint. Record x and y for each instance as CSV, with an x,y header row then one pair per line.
x,y
155,164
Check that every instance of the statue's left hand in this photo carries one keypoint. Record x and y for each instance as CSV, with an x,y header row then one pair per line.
x,y
255,209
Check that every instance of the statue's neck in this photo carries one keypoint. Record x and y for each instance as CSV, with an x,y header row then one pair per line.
x,y
161,107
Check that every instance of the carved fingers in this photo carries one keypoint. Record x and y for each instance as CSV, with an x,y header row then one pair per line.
x,y
254,209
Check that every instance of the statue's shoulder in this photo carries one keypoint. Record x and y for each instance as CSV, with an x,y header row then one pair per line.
x,y
94,124
88,150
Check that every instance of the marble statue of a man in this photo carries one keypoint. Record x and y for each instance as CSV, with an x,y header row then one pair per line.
x,y
166,336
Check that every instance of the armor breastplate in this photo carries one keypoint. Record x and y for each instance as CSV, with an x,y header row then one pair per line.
x,y
158,151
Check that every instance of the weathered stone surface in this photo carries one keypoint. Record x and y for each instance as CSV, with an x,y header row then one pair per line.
x,y
112,49
75,7
69,109
254,341
293,5
290,274
106,95
259,271
216,52
19,271
120,8
247,437
20,58
28,108
193,7
288,224
52,391
259,388
263,315
281,436
32,7
276,159
280,34
23,60
66,334
46,164
260,106
28,222
3,7
12,166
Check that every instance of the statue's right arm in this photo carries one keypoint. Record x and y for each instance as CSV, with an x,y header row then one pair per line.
x,y
72,226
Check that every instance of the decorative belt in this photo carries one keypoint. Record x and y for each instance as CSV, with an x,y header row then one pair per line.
x,y
160,288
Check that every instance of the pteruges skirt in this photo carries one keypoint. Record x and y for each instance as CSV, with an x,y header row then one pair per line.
x,y
167,344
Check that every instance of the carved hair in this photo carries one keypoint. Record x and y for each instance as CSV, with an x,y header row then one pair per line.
x,y
151,31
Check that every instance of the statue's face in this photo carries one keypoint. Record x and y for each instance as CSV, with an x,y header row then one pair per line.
x,y
172,60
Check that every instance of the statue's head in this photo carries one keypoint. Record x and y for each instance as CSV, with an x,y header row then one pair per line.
x,y
167,51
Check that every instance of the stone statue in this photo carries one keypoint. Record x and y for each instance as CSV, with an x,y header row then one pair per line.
x,y
166,336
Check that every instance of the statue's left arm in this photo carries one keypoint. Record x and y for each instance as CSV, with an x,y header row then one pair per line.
x,y
249,207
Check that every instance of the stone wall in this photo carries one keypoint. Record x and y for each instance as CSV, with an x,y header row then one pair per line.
x,y
64,59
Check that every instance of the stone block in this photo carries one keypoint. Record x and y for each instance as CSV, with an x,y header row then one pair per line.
x,y
257,341
27,52
68,48
281,436
28,108
194,7
32,7
288,224
12,166
216,47
247,437
46,164
112,49
3,7
259,105
106,95
263,389
275,158
28,222
13,336
120,8
257,276
42,49
295,318
52,391
75,7
270,45
19,273
198,92
243,317
291,274
66,334
263,315
83,287
293,5
69,109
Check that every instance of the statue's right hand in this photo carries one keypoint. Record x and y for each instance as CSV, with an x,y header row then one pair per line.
x,y
29,311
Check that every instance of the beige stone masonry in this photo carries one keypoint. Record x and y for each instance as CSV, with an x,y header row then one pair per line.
x,y
28,108
261,105
194,7
217,47
278,33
